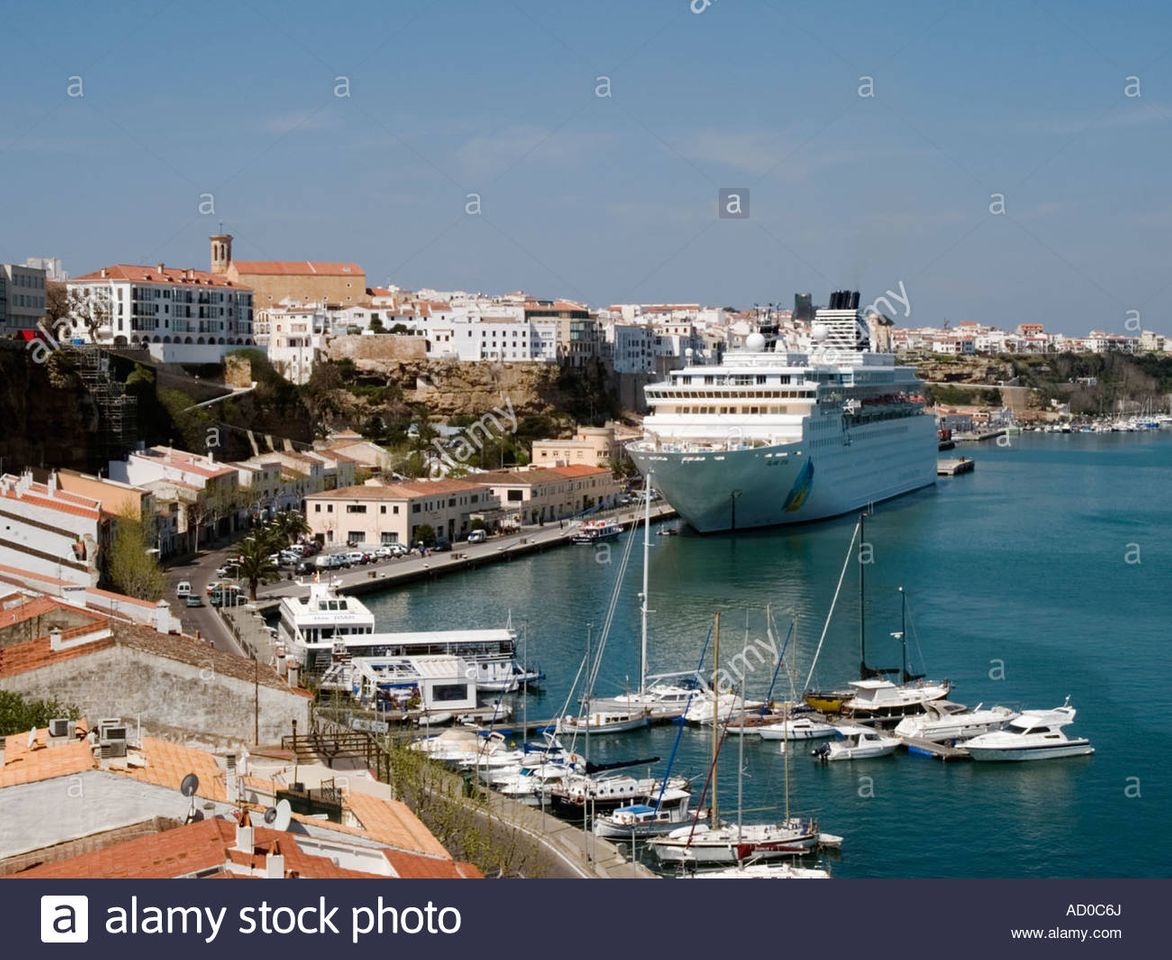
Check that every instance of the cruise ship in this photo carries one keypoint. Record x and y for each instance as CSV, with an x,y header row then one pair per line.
x,y
773,435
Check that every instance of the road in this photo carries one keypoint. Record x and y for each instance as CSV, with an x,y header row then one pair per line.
x,y
198,572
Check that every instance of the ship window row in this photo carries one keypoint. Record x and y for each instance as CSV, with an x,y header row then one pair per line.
x,y
657,394
736,379
746,410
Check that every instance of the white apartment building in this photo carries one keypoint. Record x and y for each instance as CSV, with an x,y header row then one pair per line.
x,y
179,315
293,338
632,348
48,532
22,297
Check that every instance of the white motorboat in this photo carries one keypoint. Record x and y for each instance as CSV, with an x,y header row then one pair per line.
x,y
605,721
1034,735
944,721
798,728
857,743
596,531
704,712
530,785
731,843
641,820
760,871
882,698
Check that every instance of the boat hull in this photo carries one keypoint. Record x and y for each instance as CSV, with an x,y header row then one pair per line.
x,y
1079,748
797,482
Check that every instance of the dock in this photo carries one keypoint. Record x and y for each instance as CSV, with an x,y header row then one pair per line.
x,y
929,748
952,468
390,573
978,436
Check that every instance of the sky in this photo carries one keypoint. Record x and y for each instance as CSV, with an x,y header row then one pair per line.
x,y
465,145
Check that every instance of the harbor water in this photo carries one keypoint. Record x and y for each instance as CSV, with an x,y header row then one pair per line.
x,y
1046,572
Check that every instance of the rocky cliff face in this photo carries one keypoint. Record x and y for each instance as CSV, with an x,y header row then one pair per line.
x,y
46,417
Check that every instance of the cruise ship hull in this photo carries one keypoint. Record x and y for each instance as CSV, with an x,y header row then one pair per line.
x,y
796,482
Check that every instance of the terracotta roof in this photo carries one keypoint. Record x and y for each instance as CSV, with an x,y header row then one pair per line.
x,y
18,658
392,822
168,763
200,466
296,268
22,765
515,478
160,274
578,470
26,609
37,494
123,598
406,490
202,846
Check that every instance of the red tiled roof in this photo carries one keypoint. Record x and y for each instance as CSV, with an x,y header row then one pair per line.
x,y
296,268
165,275
578,470
203,846
398,491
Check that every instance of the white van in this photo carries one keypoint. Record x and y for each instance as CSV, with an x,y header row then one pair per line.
x,y
183,589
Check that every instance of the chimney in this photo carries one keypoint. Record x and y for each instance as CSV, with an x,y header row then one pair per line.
x,y
55,638
244,842
105,272
233,792
275,866
160,267
51,483
294,669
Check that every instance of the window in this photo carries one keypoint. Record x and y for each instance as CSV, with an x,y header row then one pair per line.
x,y
382,508
415,507
329,508
447,692
387,539
317,508
356,508
515,496
356,536
395,509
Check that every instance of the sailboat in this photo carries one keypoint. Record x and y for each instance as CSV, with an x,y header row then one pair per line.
x,y
664,696
718,842
872,695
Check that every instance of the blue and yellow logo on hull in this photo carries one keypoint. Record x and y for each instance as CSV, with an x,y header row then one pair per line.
x,y
800,491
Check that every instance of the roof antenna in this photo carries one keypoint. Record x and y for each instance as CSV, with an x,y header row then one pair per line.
x,y
188,787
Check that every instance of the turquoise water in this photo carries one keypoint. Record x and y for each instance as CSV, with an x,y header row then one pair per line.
x,y
1023,562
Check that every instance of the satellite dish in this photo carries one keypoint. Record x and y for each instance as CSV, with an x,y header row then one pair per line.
x,y
32,738
189,785
270,815
283,817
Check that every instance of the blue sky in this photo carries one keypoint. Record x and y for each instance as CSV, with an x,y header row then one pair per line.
x,y
613,199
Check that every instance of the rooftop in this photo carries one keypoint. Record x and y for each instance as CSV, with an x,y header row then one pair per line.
x,y
160,274
297,268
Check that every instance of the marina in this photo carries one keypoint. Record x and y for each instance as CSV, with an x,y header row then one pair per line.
x,y
915,539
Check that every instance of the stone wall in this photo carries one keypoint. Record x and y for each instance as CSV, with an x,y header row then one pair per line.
x,y
172,699
377,347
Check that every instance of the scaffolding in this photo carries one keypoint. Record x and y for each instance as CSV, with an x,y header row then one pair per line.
x,y
117,428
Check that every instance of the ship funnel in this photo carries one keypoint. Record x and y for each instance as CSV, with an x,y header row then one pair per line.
x,y
855,300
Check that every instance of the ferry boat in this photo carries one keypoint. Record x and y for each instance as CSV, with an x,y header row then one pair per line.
x,y
313,626
768,435
596,531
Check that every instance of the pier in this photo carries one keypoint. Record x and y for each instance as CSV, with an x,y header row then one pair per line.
x,y
929,748
978,436
952,468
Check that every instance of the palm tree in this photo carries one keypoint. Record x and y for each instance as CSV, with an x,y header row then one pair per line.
x,y
256,565
289,525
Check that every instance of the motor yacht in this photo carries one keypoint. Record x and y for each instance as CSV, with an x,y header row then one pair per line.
x,y
857,743
1033,735
944,721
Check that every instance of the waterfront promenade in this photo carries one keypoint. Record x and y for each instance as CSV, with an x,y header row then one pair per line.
x,y
462,556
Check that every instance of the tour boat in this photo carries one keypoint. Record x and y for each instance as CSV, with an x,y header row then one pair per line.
x,y
944,721
596,531
1033,735
857,743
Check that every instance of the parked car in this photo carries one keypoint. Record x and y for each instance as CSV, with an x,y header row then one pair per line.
x,y
330,561
304,566
441,545
226,595
477,536
193,600
227,571
355,557
384,552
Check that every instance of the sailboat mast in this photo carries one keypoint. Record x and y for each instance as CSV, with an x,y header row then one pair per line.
x,y
862,590
646,558
903,631
715,709
741,738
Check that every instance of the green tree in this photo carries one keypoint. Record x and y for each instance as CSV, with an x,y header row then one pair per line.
x,y
130,568
424,533
376,325
19,714
255,566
